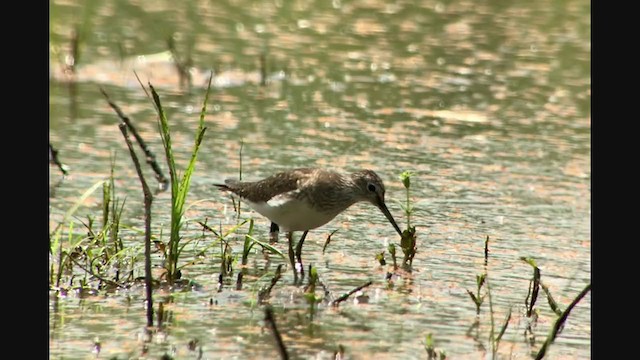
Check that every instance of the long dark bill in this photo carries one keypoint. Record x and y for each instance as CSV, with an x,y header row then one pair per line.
x,y
383,207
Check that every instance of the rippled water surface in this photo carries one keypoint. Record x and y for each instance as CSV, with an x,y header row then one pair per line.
x,y
488,104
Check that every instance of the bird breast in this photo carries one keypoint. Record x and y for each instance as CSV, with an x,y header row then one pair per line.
x,y
292,214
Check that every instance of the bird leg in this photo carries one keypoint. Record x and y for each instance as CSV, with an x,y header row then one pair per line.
x,y
299,251
292,259
295,257
273,233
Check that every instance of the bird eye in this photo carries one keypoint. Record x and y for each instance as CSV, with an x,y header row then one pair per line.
x,y
371,187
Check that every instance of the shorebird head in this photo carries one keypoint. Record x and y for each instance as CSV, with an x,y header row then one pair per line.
x,y
372,190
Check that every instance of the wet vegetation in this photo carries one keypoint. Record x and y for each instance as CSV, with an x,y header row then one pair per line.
x,y
433,353
408,242
96,260
483,290
89,257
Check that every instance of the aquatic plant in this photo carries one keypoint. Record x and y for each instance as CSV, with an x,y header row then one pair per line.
x,y
179,187
408,240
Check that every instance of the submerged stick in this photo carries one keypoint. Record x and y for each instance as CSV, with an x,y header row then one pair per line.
x,y
151,158
148,198
346,296
263,294
53,157
271,322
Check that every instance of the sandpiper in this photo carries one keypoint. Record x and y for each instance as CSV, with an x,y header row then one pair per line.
x,y
307,198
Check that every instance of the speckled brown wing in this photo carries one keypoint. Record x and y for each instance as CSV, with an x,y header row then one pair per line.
x,y
265,189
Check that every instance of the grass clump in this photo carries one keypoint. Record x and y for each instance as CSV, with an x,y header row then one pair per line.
x,y
179,187
104,262
530,312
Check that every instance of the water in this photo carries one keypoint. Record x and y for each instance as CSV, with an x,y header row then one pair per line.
x,y
487,104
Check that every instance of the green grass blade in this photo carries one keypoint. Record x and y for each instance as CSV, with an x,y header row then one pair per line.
x,y
77,204
183,188
267,246
248,244
186,178
165,134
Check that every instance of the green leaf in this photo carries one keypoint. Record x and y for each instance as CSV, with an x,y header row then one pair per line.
x,y
267,246
529,261
77,204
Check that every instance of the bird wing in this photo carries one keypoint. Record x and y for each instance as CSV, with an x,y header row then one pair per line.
x,y
277,185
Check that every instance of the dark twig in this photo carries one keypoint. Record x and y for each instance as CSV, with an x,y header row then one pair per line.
x,y
271,323
263,294
75,46
486,252
239,280
263,70
221,278
148,198
326,243
160,314
346,296
560,322
53,157
207,227
151,159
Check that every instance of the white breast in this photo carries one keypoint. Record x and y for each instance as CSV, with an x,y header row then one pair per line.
x,y
292,214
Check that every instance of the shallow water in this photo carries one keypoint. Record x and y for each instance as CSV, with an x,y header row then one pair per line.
x,y
487,104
